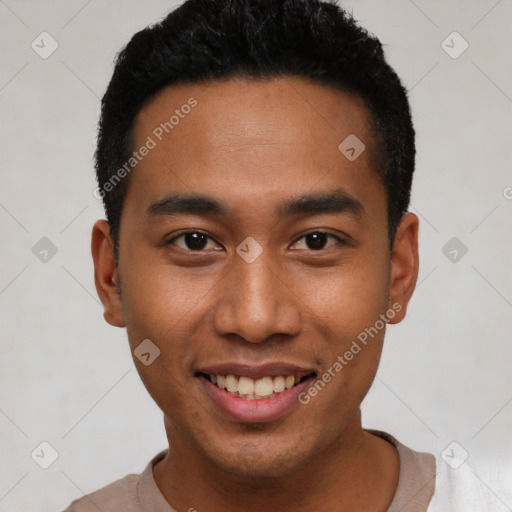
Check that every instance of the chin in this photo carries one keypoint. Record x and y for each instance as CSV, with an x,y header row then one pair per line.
x,y
259,460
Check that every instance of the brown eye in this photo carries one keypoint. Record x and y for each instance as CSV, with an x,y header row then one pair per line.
x,y
317,241
191,241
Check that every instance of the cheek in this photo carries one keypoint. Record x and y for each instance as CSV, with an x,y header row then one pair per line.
x,y
160,304
160,300
349,298
350,305
158,309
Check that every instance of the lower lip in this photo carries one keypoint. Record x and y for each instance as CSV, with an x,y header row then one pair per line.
x,y
258,410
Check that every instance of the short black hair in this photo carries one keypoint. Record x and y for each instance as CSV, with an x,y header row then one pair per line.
x,y
208,40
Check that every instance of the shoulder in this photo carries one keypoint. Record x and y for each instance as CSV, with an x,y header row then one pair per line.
x,y
124,494
430,484
462,490
121,493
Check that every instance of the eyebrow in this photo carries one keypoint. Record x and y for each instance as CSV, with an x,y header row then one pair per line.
x,y
332,202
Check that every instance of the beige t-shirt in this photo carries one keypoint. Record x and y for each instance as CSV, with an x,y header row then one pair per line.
x,y
139,493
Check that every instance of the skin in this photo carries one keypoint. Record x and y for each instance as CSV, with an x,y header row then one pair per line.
x,y
250,145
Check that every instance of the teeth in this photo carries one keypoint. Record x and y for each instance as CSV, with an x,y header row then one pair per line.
x,y
245,387
289,382
232,383
264,386
279,385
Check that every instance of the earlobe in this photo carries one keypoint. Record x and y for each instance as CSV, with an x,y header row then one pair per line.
x,y
404,266
106,274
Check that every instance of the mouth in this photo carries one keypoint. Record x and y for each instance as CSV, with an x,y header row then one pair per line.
x,y
255,394
240,386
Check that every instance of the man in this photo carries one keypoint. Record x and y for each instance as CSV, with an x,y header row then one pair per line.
x,y
255,160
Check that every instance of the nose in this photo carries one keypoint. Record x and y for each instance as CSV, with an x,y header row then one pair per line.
x,y
258,302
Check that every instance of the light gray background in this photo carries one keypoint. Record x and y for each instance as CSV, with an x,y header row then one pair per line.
x,y
67,377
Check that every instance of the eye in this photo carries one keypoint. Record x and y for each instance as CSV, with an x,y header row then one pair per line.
x,y
191,241
317,240
196,241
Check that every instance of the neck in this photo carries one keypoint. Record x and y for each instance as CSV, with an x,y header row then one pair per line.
x,y
357,471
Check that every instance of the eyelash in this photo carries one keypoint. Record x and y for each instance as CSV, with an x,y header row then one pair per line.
x,y
338,239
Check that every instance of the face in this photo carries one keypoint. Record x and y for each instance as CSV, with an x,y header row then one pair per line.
x,y
250,246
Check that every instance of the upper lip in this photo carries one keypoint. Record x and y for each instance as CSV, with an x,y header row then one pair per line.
x,y
271,369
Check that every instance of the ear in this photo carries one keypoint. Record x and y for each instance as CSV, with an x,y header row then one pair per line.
x,y
106,274
404,266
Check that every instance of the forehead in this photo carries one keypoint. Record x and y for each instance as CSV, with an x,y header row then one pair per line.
x,y
247,140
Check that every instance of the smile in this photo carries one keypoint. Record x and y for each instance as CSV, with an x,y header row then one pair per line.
x,y
254,389
254,394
